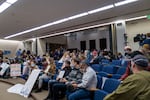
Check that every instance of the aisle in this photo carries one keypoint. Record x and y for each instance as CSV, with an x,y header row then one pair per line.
x,y
4,95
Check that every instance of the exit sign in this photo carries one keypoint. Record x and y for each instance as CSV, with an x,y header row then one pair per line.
x,y
148,16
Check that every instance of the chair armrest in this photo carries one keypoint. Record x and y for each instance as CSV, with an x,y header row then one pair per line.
x,y
109,75
93,89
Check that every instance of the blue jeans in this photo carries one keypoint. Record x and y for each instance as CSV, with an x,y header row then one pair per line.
x,y
79,94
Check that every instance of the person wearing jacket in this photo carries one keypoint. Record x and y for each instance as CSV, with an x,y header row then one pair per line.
x,y
135,86
89,81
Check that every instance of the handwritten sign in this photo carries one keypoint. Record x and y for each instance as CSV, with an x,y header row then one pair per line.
x,y
15,70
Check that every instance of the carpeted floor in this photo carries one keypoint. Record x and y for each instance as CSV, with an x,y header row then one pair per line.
x,y
4,95
7,83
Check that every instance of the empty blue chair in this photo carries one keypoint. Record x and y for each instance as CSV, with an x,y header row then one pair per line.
x,y
116,62
107,70
97,67
109,86
125,63
119,73
105,61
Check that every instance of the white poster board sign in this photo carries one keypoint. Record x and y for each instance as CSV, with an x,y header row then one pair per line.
x,y
16,88
30,83
4,67
15,70
61,74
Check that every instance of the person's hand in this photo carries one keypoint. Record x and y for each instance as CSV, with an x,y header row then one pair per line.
x,y
63,80
75,85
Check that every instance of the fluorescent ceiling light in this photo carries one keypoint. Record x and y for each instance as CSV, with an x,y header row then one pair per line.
x,y
136,18
60,21
69,18
11,1
84,28
4,6
119,21
100,9
77,16
124,2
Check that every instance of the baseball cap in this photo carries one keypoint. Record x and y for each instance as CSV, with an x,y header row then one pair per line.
x,y
140,60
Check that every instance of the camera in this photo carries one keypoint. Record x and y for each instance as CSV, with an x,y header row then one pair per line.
x,y
139,37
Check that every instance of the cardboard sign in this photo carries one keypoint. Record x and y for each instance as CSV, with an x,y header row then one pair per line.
x,y
15,70
4,67
30,83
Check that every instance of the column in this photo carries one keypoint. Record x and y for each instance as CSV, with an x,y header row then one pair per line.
x,y
120,30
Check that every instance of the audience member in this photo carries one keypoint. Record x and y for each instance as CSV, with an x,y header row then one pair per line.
x,y
89,80
136,86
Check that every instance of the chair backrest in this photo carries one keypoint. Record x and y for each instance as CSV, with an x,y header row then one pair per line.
x,y
109,69
105,61
121,70
97,67
99,82
125,63
111,85
116,62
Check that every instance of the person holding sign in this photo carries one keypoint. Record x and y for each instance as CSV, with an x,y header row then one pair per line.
x,y
5,69
55,87
48,73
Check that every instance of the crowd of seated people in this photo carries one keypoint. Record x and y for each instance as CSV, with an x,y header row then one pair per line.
x,y
78,75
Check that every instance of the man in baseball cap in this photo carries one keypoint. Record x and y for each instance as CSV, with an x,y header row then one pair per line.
x,y
135,86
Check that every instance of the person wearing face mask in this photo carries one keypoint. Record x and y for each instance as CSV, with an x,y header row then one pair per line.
x,y
135,86
48,74
89,81
128,51
33,65
75,76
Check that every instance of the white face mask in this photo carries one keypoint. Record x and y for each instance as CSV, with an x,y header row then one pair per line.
x,y
72,64
32,65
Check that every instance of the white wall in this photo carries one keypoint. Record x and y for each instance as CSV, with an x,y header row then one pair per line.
x,y
73,42
137,27
13,46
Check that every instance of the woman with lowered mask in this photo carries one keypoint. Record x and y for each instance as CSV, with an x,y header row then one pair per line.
x,y
33,65
48,74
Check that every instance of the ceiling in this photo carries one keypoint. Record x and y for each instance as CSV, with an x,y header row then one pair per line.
x,y
27,14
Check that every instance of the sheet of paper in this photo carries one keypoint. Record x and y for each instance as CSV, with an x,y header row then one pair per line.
x,y
61,74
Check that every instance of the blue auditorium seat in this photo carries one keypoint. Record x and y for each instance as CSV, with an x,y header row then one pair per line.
x,y
105,61
110,69
99,84
116,62
109,86
119,73
97,67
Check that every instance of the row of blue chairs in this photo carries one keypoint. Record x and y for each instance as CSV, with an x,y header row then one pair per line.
x,y
109,70
104,87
